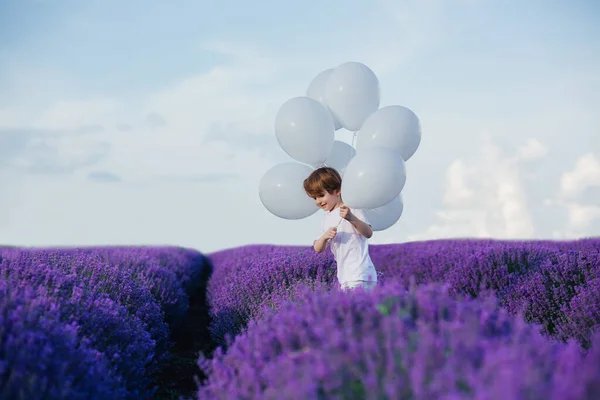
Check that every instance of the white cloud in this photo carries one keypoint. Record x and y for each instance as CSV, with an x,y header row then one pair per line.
x,y
169,130
60,153
483,198
10,197
583,215
532,150
63,115
50,151
69,114
239,99
586,173
457,191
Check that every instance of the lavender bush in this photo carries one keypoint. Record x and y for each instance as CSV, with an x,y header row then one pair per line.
x,y
172,274
560,292
118,302
496,267
510,269
428,261
394,344
118,318
582,313
42,356
246,278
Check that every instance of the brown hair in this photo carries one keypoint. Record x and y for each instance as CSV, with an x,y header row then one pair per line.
x,y
321,180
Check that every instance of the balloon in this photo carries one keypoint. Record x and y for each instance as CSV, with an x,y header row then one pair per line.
x,y
352,94
373,178
393,127
282,193
304,130
316,91
385,216
340,156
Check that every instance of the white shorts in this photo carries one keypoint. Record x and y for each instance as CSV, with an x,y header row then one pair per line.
x,y
366,285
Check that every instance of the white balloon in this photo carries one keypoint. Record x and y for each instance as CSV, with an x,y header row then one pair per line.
x,y
394,127
282,192
316,91
304,130
373,178
352,94
385,216
340,156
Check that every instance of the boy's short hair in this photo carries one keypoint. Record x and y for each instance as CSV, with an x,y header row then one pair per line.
x,y
321,180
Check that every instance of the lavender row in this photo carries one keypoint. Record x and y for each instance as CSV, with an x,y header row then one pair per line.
x,y
43,357
554,283
121,299
396,344
246,278
172,274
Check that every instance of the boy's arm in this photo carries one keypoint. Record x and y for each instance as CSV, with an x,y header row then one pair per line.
x,y
320,244
361,226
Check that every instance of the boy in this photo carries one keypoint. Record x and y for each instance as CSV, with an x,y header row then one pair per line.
x,y
345,231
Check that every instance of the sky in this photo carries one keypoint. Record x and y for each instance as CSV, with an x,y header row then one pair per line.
x,y
152,122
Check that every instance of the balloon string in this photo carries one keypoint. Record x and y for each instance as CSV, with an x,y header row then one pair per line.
x,y
353,137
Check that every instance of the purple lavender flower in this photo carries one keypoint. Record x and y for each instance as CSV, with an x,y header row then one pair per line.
x,y
247,278
390,343
43,357
118,301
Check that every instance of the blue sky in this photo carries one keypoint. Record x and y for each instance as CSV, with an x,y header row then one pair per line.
x,y
107,98
121,47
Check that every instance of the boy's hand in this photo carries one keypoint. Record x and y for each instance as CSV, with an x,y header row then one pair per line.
x,y
345,212
331,232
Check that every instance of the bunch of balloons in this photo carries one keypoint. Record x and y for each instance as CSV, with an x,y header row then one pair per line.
x,y
374,172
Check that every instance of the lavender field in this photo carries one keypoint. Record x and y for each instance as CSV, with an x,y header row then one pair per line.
x,y
451,319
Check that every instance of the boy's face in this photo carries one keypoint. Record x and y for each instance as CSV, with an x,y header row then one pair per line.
x,y
328,201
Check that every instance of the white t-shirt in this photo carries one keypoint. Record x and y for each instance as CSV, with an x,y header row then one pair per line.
x,y
350,249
